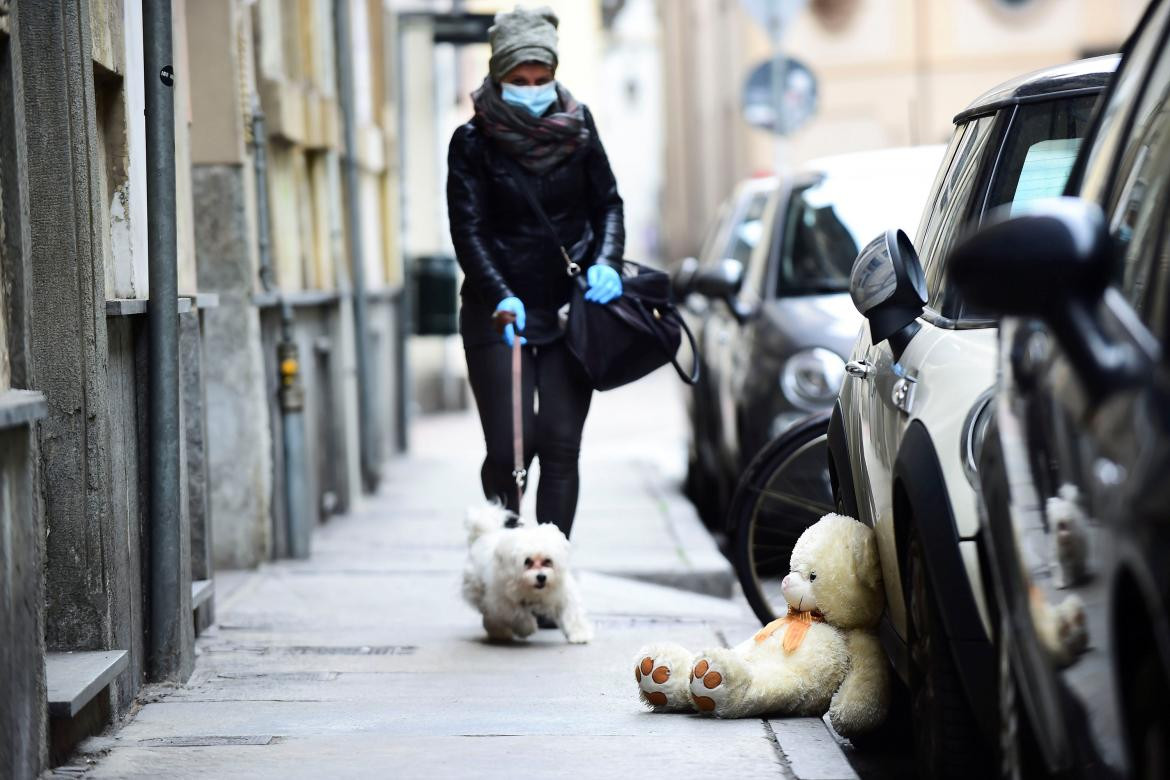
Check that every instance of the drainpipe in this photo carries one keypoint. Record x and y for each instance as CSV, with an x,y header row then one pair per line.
x,y
291,392
163,325
366,416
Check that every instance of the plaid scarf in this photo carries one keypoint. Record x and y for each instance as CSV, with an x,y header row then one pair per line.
x,y
537,143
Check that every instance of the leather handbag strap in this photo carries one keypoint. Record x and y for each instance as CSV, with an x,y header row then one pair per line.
x,y
572,268
693,377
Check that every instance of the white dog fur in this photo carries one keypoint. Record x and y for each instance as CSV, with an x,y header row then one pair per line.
x,y
516,570
838,667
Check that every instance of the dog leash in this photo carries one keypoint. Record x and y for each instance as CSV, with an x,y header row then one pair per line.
x,y
519,473
501,320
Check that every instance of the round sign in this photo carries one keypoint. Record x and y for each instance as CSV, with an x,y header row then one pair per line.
x,y
785,110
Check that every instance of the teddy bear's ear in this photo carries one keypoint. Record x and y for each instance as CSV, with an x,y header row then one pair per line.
x,y
866,565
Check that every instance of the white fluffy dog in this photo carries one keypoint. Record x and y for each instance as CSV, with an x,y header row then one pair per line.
x,y
516,571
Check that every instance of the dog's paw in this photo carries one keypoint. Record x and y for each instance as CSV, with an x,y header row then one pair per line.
x,y
524,625
661,673
579,633
718,681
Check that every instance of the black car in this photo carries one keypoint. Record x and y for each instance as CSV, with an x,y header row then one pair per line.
x,y
1075,463
727,248
777,325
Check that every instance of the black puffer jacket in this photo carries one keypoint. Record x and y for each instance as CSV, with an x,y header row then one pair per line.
x,y
504,248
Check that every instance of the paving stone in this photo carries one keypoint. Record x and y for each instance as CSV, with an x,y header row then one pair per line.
x,y
364,661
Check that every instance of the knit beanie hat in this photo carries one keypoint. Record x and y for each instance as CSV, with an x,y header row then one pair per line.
x,y
523,35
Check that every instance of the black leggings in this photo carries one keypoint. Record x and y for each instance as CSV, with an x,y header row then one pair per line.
x,y
555,379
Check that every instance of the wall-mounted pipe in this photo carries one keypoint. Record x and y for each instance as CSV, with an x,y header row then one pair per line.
x,y
367,419
165,634
291,393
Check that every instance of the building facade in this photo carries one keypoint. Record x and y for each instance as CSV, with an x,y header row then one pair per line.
x,y
289,339
889,73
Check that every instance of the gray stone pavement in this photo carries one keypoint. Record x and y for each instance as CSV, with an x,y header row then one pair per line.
x,y
363,661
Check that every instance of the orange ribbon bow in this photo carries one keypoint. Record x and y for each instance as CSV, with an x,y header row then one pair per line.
x,y
797,625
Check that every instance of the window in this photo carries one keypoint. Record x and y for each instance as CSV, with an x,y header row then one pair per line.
x,y
756,267
746,233
951,203
826,223
818,249
1040,150
1045,172
1137,214
709,252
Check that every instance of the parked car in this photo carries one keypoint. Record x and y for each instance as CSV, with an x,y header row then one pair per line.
x,y
732,237
1075,468
919,383
779,323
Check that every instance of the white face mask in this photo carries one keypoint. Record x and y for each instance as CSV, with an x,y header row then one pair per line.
x,y
535,99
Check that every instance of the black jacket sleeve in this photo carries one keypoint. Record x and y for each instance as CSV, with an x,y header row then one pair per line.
x,y
607,212
465,210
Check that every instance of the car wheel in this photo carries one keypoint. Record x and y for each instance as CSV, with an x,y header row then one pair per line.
x,y
783,491
945,741
1147,720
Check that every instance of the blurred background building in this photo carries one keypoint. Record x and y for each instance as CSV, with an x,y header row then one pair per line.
x,y
888,73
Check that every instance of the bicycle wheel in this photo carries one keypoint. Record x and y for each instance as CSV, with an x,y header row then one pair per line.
x,y
784,490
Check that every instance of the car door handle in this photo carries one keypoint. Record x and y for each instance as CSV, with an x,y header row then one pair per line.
x,y
859,369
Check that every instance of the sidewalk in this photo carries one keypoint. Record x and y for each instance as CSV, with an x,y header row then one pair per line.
x,y
364,662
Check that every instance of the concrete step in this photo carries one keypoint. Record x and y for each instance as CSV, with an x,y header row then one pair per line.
x,y
79,706
201,591
74,679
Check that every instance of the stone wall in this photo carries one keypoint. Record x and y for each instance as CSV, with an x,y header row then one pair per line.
x,y
22,676
239,452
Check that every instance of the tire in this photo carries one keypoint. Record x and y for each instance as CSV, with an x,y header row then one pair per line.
x,y
945,734
783,491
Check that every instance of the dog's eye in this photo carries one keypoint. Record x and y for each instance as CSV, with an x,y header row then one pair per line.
x,y
528,562
548,564
812,576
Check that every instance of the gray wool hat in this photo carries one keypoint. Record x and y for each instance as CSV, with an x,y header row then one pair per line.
x,y
523,35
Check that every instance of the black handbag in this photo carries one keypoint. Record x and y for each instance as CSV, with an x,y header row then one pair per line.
x,y
629,337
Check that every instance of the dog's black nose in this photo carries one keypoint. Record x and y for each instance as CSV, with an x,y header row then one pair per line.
x,y
541,578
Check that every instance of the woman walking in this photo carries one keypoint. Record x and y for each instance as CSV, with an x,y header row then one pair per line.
x,y
529,133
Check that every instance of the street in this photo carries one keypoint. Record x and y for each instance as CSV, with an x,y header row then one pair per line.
x,y
364,661
877,286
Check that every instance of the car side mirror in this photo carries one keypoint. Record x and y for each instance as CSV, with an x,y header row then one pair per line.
x,y
1053,262
682,281
888,287
722,282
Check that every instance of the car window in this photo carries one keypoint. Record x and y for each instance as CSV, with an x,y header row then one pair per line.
x,y
1096,166
1035,162
711,252
951,203
828,221
1039,151
1045,171
818,248
1137,214
756,268
746,233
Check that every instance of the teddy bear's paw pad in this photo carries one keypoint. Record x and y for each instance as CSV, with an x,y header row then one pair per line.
x,y
654,680
709,688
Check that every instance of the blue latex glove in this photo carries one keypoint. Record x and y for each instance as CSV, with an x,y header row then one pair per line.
x,y
605,284
516,306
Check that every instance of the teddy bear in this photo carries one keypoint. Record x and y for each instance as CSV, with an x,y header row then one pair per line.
x,y
823,656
